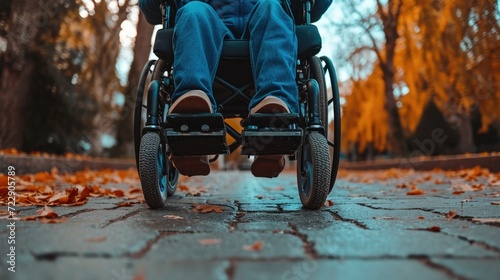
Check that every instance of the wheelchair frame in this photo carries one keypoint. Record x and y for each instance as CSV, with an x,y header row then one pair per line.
x,y
303,137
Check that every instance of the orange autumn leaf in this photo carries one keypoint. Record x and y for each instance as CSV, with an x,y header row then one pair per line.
x,y
207,209
125,204
434,229
209,241
328,203
54,221
47,212
4,179
450,215
415,192
401,186
257,246
96,239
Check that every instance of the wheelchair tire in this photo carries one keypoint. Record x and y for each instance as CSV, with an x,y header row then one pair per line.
x,y
313,171
334,138
152,170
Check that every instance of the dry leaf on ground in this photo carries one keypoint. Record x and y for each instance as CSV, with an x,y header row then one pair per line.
x,y
257,246
486,220
434,229
450,215
209,241
415,192
96,239
54,220
207,208
328,203
173,217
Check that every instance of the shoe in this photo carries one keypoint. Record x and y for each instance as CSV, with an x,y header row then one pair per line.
x,y
269,166
192,102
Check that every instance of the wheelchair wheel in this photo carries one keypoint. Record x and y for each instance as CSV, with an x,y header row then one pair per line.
x,y
148,74
313,171
156,180
333,110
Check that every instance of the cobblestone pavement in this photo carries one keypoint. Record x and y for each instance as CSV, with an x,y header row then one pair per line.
x,y
373,230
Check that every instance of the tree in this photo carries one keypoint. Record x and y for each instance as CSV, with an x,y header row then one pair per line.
x,y
385,21
71,99
447,55
142,48
18,68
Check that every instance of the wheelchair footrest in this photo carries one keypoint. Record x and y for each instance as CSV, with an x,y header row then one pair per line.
x,y
271,134
196,134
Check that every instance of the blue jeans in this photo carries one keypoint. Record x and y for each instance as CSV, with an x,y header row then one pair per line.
x,y
198,41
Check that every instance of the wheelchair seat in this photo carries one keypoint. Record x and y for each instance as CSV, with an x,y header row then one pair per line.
x,y
308,38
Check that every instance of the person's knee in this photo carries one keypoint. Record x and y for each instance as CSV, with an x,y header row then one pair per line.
x,y
193,9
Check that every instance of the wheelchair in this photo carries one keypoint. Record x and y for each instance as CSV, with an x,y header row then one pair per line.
x,y
308,137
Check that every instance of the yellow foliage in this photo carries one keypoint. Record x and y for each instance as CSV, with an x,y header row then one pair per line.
x,y
448,52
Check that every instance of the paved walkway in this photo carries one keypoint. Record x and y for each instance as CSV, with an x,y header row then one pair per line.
x,y
373,230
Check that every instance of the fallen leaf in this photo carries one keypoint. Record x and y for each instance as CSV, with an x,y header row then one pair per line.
x,y
495,203
54,220
96,239
415,192
450,215
207,208
486,220
257,246
421,217
173,217
434,229
47,212
328,203
125,204
209,241
458,192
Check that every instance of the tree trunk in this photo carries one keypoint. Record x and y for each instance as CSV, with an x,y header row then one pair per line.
x,y
466,141
390,26
18,70
142,48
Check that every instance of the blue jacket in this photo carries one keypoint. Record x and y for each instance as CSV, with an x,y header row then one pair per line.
x,y
234,13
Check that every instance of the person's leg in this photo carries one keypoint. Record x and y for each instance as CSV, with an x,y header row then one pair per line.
x,y
198,40
273,51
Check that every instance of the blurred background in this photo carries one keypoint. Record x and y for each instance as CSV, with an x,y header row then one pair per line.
x,y
417,77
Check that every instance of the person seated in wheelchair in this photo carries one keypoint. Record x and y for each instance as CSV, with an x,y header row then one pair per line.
x,y
200,29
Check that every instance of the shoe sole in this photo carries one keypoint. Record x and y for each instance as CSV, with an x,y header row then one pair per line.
x,y
192,165
268,166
